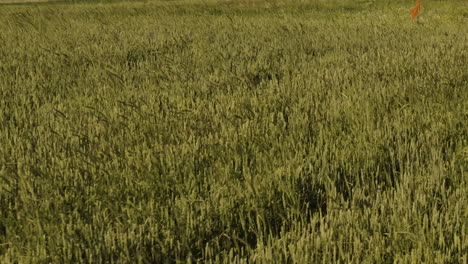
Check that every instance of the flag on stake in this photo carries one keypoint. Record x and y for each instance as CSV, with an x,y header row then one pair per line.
x,y
415,10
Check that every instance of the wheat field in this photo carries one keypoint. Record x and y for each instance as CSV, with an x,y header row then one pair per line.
x,y
233,132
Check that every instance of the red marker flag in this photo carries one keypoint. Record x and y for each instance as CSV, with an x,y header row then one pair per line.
x,y
415,10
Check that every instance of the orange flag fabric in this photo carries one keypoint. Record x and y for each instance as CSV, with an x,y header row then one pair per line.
x,y
415,10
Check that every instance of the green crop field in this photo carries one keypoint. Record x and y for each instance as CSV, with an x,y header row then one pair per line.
x,y
252,131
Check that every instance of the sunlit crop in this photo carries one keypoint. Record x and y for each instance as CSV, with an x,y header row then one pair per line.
x,y
233,132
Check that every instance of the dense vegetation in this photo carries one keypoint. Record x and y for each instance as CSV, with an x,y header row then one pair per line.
x,y
233,132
